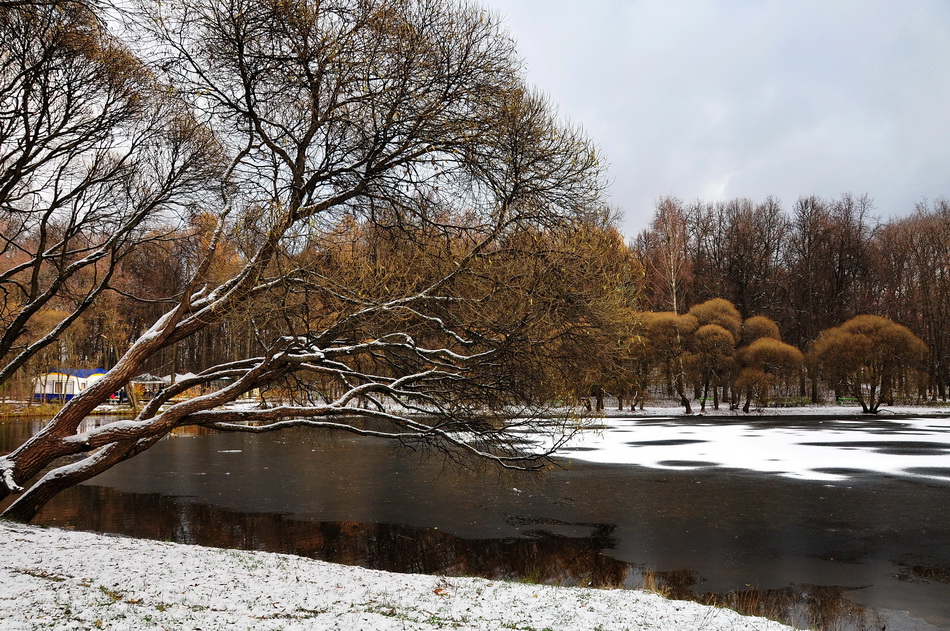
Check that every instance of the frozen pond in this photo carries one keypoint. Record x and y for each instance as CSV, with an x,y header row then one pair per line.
x,y
808,448
832,512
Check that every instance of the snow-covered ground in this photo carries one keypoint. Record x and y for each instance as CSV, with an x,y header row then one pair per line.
x,y
57,579
822,448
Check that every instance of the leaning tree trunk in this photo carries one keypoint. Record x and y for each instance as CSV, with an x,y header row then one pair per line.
x,y
748,401
57,438
29,503
680,390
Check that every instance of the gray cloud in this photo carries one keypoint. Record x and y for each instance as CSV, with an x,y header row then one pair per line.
x,y
741,98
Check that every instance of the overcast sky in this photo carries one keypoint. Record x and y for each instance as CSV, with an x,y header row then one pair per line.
x,y
720,99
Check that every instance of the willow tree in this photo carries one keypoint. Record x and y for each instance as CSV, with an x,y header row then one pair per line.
x,y
867,357
713,358
713,346
757,327
406,117
666,341
764,363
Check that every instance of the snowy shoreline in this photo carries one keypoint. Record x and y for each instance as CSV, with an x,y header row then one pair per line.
x,y
817,409
51,578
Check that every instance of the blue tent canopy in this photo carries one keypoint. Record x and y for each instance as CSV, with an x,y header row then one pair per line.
x,y
82,373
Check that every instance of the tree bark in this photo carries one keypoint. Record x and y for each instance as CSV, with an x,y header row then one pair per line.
x,y
29,503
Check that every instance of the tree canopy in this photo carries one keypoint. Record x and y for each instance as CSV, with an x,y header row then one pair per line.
x,y
867,357
93,153
808,266
389,206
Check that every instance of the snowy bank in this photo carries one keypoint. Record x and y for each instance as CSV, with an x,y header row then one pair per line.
x,y
61,579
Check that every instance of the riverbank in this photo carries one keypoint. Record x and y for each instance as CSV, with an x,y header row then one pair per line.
x,y
11,410
51,578
23,409
815,409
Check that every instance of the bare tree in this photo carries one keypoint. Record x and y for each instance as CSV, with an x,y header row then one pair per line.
x,y
664,252
912,268
828,265
92,152
403,120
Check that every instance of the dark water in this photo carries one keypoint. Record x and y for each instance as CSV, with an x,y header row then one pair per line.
x,y
809,550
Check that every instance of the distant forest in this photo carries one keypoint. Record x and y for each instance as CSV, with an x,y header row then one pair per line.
x,y
809,268
129,198
672,314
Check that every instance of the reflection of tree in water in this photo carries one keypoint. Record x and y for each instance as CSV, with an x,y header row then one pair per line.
x,y
924,574
821,607
540,556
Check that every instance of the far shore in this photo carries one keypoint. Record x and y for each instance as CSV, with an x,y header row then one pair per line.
x,y
25,410
41,410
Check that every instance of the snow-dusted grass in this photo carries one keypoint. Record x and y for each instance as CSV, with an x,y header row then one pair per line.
x,y
57,579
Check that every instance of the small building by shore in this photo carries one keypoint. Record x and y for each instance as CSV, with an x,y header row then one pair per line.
x,y
62,384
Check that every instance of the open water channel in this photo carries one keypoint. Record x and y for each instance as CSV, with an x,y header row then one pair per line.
x,y
855,549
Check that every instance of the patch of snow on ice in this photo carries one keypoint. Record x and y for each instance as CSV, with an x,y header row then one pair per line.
x,y
827,450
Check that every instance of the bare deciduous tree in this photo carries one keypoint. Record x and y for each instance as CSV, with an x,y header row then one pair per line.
x,y
664,252
827,263
736,250
92,152
912,260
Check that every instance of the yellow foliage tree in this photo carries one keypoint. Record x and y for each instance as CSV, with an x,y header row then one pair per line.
x,y
666,339
719,311
713,356
865,357
757,327
713,349
764,363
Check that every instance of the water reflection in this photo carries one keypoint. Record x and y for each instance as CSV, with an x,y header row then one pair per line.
x,y
823,607
542,556
803,551
15,431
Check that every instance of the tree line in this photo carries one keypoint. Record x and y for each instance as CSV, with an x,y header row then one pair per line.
x,y
712,355
810,268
